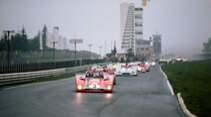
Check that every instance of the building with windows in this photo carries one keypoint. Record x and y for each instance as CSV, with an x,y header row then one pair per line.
x,y
138,27
127,26
156,39
131,22
144,49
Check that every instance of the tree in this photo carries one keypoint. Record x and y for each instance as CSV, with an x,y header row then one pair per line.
x,y
207,47
44,37
19,42
3,43
113,52
35,43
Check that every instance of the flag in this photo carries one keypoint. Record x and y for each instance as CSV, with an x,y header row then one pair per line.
x,y
144,2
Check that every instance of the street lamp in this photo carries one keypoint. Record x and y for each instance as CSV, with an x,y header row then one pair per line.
x,y
7,34
76,41
54,48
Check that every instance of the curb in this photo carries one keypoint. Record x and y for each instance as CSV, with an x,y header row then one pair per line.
x,y
183,106
168,83
179,97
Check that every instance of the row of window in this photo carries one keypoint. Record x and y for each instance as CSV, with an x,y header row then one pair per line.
x,y
138,24
142,49
125,36
125,46
128,28
125,41
142,42
138,16
125,33
138,9
139,32
128,34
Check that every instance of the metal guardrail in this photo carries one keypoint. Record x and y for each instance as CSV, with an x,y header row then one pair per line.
x,y
12,78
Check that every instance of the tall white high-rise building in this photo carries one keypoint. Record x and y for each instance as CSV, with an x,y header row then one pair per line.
x,y
131,22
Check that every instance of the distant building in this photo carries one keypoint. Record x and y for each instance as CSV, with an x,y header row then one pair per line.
x,y
131,22
156,39
138,29
144,49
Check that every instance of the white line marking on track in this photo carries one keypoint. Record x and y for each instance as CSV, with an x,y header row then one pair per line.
x,y
167,81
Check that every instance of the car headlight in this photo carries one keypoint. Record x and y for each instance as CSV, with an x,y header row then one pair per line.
x,y
109,87
97,86
79,87
91,86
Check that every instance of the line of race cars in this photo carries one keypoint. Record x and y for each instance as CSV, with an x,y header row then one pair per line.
x,y
172,60
102,78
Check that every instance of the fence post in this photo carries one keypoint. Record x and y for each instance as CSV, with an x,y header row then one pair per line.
x,y
1,68
17,67
21,67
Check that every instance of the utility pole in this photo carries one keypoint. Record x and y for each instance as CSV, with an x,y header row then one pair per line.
x,y
7,34
90,47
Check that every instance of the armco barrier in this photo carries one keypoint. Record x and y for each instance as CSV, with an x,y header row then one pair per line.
x,y
6,79
12,78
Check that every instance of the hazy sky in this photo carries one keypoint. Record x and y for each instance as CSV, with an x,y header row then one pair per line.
x,y
184,24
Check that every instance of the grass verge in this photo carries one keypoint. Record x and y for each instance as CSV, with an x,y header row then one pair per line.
x,y
193,80
59,77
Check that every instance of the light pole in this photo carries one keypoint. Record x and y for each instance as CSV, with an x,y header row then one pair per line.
x,y
54,42
7,34
54,49
75,42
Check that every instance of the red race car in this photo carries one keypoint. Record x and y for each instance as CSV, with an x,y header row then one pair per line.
x,y
147,67
110,71
94,82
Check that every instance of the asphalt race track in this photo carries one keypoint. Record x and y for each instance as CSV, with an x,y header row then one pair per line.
x,y
146,95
